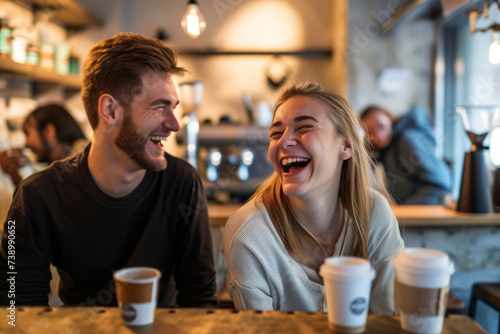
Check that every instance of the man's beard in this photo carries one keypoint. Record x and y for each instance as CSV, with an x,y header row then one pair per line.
x,y
132,143
45,154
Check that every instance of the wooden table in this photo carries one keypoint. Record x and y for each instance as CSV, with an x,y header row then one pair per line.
x,y
407,215
98,320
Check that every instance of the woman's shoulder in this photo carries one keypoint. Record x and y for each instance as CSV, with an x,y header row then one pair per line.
x,y
383,234
382,216
380,204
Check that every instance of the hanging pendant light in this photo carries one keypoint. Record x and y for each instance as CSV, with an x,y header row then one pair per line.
x,y
193,23
474,14
495,49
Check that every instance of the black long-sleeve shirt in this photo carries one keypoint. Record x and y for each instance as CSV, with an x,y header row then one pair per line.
x,y
60,216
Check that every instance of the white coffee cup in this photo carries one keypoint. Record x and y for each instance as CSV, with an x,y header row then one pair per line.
x,y
137,294
347,283
421,288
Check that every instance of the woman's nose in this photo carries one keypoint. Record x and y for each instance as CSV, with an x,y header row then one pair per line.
x,y
287,140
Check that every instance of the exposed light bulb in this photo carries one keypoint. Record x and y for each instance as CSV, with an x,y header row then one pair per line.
x,y
495,49
193,23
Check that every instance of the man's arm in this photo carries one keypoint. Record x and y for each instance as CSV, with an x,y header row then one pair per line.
x,y
194,264
24,260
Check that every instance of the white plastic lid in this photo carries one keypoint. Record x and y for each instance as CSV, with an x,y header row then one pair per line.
x,y
346,266
422,259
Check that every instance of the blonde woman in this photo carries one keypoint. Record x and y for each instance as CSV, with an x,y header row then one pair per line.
x,y
320,201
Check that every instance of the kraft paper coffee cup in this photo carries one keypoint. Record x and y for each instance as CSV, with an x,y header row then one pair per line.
x,y
421,288
137,291
347,283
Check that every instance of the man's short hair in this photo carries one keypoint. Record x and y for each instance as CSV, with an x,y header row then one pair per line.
x,y
115,66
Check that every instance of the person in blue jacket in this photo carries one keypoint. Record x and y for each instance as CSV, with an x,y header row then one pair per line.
x,y
406,148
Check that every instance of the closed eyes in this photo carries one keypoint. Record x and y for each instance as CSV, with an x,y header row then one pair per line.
x,y
302,128
305,127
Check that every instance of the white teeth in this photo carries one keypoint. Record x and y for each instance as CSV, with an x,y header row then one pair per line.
x,y
287,161
158,138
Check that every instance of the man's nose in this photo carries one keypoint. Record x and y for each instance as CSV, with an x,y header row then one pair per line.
x,y
171,121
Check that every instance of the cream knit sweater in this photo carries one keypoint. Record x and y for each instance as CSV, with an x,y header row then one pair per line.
x,y
263,276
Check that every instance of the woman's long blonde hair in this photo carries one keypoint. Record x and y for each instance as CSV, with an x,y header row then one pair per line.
x,y
357,177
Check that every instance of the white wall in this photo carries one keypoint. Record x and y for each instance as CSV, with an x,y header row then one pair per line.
x,y
233,25
408,46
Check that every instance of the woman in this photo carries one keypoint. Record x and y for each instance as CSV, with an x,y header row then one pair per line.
x,y
319,202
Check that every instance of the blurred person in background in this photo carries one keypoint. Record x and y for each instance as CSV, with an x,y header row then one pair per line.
x,y
51,134
406,148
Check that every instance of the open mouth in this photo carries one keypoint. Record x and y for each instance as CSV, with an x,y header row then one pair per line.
x,y
294,165
157,141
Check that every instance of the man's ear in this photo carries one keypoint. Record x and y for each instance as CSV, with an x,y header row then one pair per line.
x,y
109,110
346,152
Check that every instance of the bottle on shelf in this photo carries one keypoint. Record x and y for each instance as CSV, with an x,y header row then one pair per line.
x,y
5,38
47,56
19,45
61,58
74,64
32,55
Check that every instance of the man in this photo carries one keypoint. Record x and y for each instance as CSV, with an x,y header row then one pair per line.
x,y
406,148
50,132
122,202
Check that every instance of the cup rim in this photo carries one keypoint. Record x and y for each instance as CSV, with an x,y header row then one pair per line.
x,y
358,267
436,262
156,274
421,258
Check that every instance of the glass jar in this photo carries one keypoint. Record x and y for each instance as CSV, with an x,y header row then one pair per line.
x,y
47,56
5,38
19,47
32,56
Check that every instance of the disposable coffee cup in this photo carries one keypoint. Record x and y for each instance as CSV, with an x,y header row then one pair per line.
x,y
347,283
421,288
137,294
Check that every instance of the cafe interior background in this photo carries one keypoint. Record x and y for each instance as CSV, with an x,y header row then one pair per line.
x,y
394,53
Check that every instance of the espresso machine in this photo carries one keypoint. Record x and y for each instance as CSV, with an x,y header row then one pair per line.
x,y
190,99
232,160
475,194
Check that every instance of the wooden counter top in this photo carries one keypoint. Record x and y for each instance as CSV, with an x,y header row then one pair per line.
x,y
407,215
436,215
87,320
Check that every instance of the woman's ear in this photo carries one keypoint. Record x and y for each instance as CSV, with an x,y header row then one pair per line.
x,y
109,110
346,152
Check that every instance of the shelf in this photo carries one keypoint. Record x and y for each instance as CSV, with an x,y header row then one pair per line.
x,y
38,74
218,134
68,12
313,53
